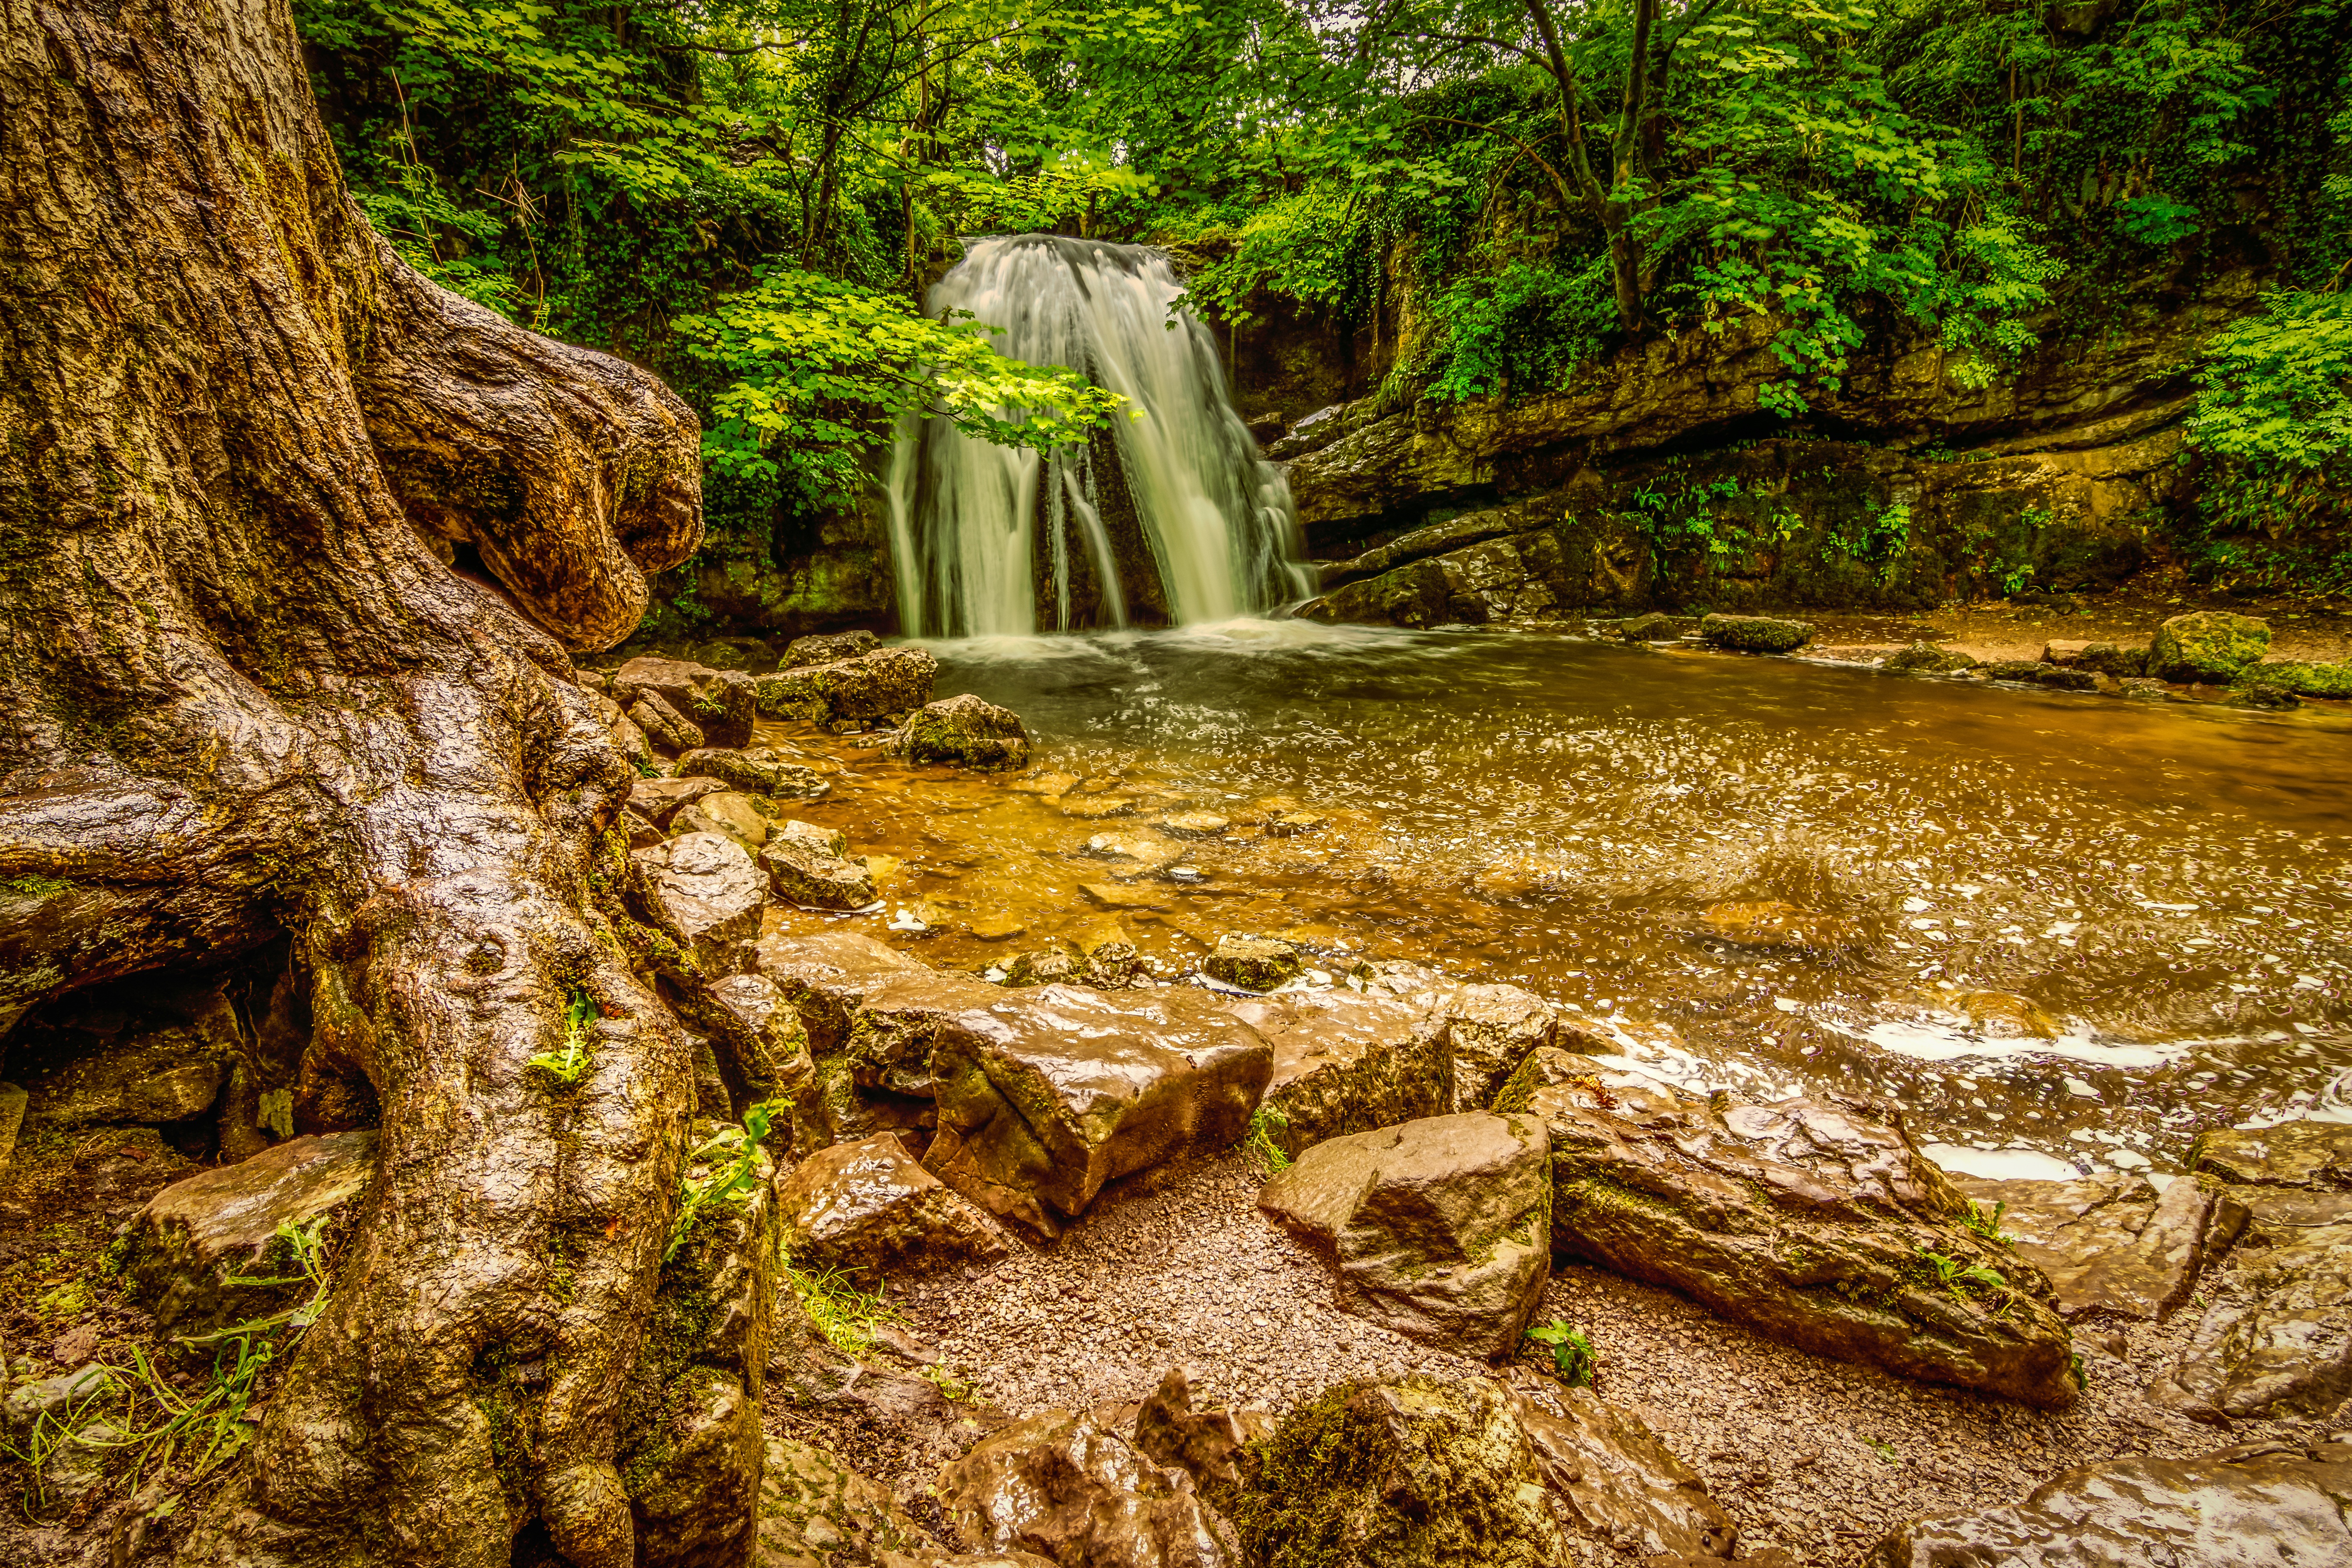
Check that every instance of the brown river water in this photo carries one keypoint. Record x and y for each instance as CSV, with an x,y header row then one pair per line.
x,y
2056,931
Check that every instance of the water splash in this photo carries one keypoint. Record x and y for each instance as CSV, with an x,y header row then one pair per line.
x,y
1170,516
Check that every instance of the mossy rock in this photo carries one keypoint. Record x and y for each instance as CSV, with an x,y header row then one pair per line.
x,y
1755,634
2208,645
2330,680
1927,658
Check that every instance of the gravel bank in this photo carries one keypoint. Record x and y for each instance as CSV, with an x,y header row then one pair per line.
x,y
1178,1264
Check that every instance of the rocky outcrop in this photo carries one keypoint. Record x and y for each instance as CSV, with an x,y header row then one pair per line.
x,y
1347,1062
966,731
717,704
2107,1243
762,1046
2277,1339
868,1209
1440,1227
2254,1507
1070,1485
197,1253
2206,644
1439,539
705,891
1425,1473
885,681
1814,1225
1049,1093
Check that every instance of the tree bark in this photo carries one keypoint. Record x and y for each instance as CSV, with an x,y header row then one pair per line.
x,y
241,694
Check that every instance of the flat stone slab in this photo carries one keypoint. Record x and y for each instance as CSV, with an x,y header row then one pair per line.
x,y
1441,1226
2278,1340
2234,1508
1347,1062
2107,1243
2291,1155
1803,1220
1047,1092
198,1234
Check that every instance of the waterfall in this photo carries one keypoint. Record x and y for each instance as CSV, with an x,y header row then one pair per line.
x,y
1169,515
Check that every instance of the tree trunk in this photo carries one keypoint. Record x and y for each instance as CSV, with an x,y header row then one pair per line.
x,y
241,694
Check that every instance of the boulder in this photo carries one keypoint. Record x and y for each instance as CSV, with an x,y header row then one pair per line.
x,y
637,831
2028,670
828,648
658,800
1609,1477
886,680
968,731
2122,661
2260,1506
1049,1093
1252,962
1210,1445
193,1254
663,725
2107,1243
868,1209
1814,1225
826,976
724,811
1492,1029
2206,644
899,1023
94,1065
707,893
1754,633
1417,1473
818,1513
2278,1340
719,703
1071,1486
757,770
2290,1155
766,1045
2328,680
1441,1226
808,866
1347,1062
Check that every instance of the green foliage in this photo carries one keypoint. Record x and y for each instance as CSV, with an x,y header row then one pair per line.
x,y
1953,1274
1266,1123
820,371
1988,1224
728,1167
1523,329
844,1314
1572,1353
562,1069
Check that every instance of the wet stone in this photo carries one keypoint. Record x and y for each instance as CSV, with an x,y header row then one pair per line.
x,y
1254,962
728,812
759,770
828,648
868,1209
827,975
2206,644
1492,1029
1096,807
1348,1062
966,731
1440,1227
2107,1243
1609,1477
1927,658
2277,1340
663,724
809,866
717,705
659,799
1754,633
1194,825
706,889
1070,1485
848,690
169,1065
1292,823
998,927
2290,1155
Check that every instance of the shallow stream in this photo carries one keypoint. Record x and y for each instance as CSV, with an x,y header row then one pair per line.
x,y
2058,930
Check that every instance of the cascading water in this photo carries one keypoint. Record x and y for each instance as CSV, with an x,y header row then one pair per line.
x,y
1171,515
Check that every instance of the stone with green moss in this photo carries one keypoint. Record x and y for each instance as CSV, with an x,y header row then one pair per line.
x,y
966,731
1252,962
1754,633
1927,658
2328,680
2208,645
1347,1062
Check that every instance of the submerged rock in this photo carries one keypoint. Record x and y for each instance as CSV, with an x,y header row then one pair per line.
x,y
966,731
1815,1227
1927,658
718,705
1440,1227
1426,1473
1347,1062
1046,1094
2206,644
707,893
2290,1155
1252,962
1071,1486
869,1210
1755,634
193,1254
2276,1505
2107,1243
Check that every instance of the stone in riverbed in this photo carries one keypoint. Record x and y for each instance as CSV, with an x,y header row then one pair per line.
x,y
968,731
1046,1094
759,770
717,704
199,1234
1096,807
826,976
707,893
2333,682
1194,825
869,1210
886,680
1804,1221
828,648
898,1022
2279,1504
1657,627
2107,1243
1347,1062
1492,1028
2206,644
1427,1473
724,811
808,866
2290,1155
1252,962
1071,1486
660,799
1439,1226
1755,634
1927,658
